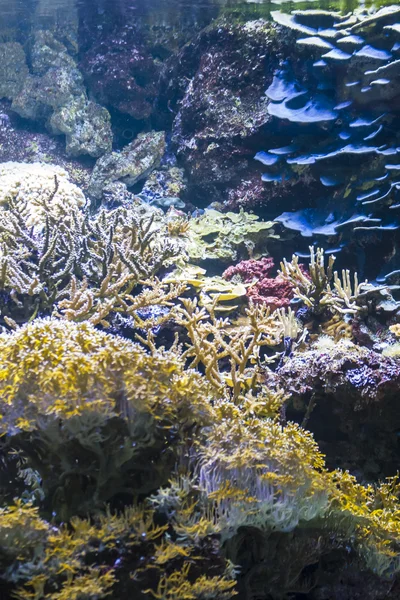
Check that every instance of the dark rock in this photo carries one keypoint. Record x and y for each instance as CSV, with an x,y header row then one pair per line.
x,y
216,88
121,73
21,142
353,393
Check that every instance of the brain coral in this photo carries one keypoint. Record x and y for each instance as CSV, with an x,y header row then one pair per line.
x,y
31,187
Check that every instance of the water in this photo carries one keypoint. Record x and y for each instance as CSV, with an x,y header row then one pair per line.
x,y
14,13
199,300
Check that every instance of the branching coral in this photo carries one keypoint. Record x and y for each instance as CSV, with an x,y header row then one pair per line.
x,y
230,354
314,287
82,267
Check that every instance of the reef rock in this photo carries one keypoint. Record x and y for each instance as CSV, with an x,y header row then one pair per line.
x,y
121,73
135,162
13,69
165,188
21,143
350,396
55,94
49,52
41,95
86,125
216,87
38,189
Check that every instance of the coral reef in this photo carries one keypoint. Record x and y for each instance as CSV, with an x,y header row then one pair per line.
x,y
227,236
26,187
56,258
178,419
165,188
346,394
67,390
19,143
338,96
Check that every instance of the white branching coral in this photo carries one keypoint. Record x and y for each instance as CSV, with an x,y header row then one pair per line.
x,y
315,288
81,267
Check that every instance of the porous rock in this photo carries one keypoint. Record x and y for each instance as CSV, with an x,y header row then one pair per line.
x,y
135,162
56,95
13,69
353,393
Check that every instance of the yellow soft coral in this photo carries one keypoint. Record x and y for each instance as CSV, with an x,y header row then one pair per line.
x,y
64,369
103,415
262,474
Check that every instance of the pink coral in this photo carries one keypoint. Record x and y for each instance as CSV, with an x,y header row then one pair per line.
x,y
275,292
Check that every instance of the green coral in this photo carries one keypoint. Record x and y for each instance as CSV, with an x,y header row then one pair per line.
x,y
227,236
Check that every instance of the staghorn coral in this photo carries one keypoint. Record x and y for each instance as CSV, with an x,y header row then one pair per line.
x,y
231,355
78,266
314,287
94,412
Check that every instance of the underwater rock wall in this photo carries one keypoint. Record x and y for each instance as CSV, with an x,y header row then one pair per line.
x,y
314,100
